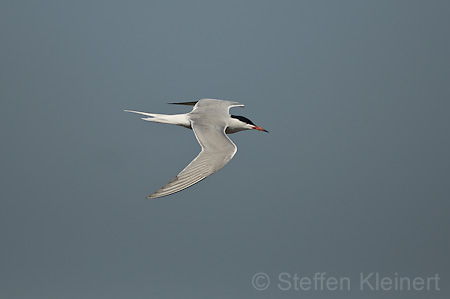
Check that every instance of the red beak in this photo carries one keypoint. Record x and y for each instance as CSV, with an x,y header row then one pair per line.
x,y
260,129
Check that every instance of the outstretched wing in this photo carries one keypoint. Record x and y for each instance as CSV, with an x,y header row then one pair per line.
x,y
211,106
217,151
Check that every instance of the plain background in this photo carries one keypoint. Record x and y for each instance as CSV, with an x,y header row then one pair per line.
x,y
353,176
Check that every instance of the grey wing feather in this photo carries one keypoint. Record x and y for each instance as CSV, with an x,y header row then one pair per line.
x,y
217,151
214,107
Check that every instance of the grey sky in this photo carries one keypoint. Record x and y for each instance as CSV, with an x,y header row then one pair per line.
x,y
353,177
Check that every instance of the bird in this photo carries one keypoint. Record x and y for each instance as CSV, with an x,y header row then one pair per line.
x,y
211,122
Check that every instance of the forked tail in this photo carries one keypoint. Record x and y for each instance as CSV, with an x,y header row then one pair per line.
x,y
177,119
157,118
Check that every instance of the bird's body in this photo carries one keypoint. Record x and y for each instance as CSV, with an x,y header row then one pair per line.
x,y
210,120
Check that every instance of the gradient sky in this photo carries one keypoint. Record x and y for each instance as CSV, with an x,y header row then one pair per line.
x,y
353,177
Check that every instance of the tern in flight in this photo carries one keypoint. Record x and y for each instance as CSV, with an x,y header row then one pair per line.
x,y
211,122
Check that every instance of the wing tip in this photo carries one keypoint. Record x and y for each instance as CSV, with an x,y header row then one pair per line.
x,y
237,104
185,103
157,195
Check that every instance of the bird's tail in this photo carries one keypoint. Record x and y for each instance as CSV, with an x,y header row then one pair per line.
x,y
174,119
157,118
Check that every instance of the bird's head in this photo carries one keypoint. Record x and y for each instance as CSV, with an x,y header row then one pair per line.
x,y
243,123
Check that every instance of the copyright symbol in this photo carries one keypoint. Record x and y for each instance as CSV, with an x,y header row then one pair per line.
x,y
260,281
